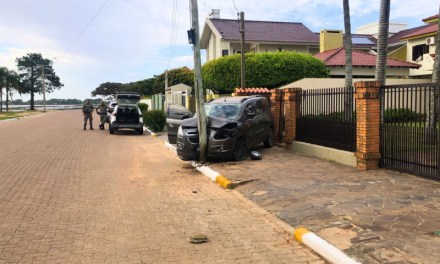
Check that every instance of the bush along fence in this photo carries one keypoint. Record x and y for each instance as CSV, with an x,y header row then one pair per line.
x,y
387,126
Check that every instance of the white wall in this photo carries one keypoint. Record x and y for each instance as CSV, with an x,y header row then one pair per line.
x,y
367,71
373,28
427,63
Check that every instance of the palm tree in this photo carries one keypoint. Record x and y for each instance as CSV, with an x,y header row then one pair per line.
x,y
348,62
11,84
3,71
435,79
382,41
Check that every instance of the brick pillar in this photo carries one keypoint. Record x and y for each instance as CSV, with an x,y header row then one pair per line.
x,y
275,106
291,105
367,125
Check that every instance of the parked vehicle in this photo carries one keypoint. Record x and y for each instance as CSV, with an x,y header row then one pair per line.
x,y
111,108
126,114
175,114
235,124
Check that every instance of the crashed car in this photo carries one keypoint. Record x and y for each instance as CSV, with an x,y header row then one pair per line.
x,y
234,125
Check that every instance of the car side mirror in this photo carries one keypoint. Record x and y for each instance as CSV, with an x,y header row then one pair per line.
x,y
250,115
184,117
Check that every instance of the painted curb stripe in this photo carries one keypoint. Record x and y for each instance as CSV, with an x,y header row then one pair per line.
x,y
322,247
223,181
149,131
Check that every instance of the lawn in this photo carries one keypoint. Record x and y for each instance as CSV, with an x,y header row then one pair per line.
x,y
11,115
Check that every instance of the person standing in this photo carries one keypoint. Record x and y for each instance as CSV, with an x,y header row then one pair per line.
x,y
101,110
87,113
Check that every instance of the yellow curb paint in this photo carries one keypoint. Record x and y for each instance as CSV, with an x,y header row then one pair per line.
x,y
223,181
163,142
299,232
154,135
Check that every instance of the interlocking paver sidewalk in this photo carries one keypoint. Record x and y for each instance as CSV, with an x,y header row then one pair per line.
x,y
377,216
74,196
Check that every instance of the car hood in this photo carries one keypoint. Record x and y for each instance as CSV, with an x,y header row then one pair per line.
x,y
212,122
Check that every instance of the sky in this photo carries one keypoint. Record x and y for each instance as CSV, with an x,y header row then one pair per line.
x,y
129,40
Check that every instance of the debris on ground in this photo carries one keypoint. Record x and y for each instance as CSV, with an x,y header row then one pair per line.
x,y
255,155
199,238
194,191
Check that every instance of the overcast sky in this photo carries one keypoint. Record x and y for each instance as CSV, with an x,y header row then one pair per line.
x,y
129,40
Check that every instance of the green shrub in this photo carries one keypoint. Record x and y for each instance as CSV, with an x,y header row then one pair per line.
x,y
402,115
270,70
155,120
143,107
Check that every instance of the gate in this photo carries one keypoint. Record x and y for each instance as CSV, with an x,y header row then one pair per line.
x,y
327,117
409,129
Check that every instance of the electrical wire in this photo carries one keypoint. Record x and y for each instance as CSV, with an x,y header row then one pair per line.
x,y
175,33
233,1
230,9
73,43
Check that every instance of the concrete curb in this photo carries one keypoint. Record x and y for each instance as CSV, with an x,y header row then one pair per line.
x,y
322,247
205,170
149,131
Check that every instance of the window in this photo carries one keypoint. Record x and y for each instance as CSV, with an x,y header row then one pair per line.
x,y
225,53
418,51
250,108
259,108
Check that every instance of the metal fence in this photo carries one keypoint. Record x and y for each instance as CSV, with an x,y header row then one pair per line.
x,y
327,117
410,128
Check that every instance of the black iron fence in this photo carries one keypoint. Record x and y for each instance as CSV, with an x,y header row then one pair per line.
x,y
327,117
410,128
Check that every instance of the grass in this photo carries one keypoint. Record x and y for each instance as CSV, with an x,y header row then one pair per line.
x,y
11,115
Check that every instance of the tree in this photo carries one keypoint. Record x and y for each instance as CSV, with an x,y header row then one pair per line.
x,y
348,61
382,41
30,69
175,76
144,87
12,80
435,79
3,73
108,89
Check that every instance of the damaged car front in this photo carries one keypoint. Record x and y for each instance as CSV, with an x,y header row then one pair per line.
x,y
222,135
222,129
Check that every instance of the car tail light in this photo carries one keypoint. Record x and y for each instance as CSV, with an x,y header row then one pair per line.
x,y
114,114
141,115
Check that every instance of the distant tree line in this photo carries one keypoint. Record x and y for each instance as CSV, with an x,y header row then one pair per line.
x,y
58,101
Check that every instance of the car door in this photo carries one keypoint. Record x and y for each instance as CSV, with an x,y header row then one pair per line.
x,y
251,123
175,114
262,122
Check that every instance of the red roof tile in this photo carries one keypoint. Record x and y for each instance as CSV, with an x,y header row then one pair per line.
x,y
336,57
429,18
265,31
425,30
252,90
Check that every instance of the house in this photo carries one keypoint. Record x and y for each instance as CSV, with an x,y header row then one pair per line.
x,y
177,94
364,64
221,37
420,45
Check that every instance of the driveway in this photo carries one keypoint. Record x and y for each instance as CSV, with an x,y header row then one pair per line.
x,y
377,216
74,196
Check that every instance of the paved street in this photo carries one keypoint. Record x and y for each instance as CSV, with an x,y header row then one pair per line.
x,y
379,216
74,196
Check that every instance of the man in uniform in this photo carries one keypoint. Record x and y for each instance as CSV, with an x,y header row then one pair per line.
x,y
87,113
101,110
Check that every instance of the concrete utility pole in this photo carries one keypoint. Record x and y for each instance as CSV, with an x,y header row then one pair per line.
x,y
198,84
243,66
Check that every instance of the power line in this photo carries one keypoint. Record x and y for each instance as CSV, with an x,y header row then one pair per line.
x,y
176,32
173,27
233,1
230,9
85,28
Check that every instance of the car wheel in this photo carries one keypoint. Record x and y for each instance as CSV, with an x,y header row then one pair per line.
x,y
270,139
141,132
112,130
240,151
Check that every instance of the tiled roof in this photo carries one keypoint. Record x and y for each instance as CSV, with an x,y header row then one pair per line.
x,y
268,31
336,57
251,90
431,17
425,30
396,37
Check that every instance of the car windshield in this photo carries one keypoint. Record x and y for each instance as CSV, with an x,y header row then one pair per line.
x,y
224,111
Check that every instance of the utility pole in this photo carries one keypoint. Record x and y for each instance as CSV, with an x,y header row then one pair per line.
x,y
243,66
198,84
44,88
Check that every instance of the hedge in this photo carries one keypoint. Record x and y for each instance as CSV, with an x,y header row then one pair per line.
x,y
155,120
270,70
143,107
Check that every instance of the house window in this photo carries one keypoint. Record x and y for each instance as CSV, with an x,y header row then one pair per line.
x,y
225,53
418,51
